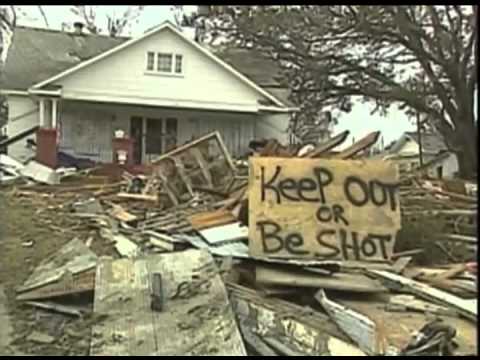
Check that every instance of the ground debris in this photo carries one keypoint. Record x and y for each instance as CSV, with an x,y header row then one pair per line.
x,y
236,272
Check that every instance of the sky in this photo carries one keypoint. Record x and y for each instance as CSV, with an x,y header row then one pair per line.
x,y
359,121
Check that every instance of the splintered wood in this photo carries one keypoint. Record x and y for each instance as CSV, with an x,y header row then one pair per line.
x,y
323,209
196,317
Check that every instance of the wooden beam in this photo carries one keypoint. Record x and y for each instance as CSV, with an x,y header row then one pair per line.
x,y
360,145
328,145
197,154
465,307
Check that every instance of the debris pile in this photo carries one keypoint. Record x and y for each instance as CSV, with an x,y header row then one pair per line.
x,y
298,256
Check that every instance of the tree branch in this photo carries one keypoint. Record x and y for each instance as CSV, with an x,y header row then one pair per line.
x,y
40,8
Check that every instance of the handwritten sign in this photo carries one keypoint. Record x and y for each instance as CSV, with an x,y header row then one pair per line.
x,y
323,209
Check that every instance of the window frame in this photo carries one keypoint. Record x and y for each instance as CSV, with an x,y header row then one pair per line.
x,y
173,69
157,63
147,61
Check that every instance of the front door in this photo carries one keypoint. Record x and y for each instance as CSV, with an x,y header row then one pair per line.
x,y
136,133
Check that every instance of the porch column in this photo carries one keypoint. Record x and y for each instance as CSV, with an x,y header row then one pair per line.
x,y
42,112
54,113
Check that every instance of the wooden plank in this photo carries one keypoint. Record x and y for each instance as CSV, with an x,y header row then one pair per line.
x,y
323,209
360,145
255,342
196,318
339,281
13,139
328,145
137,196
225,152
166,187
466,308
181,172
210,219
460,238
185,147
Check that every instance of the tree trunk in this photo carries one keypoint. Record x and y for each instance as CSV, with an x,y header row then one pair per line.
x,y
467,153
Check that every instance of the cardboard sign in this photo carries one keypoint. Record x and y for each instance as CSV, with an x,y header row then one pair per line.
x,y
323,209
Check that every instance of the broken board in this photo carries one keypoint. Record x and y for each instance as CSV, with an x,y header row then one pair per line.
x,y
65,271
196,319
323,209
309,331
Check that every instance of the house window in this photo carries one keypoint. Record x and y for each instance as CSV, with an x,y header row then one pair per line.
x,y
178,64
150,61
164,62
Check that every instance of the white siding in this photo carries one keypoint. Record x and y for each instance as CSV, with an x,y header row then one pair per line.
x,y
22,115
449,165
121,77
273,126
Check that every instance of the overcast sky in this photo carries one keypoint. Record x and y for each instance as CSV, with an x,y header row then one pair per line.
x,y
358,121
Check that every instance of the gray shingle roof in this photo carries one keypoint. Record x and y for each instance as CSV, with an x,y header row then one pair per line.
x,y
431,142
38,54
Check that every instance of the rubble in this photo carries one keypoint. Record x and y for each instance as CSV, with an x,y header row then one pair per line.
x,y
193,257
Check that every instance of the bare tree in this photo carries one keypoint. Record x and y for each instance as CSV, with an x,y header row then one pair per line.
x,y
424,58
115,25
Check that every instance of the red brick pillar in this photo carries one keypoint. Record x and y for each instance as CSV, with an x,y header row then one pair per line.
x,y
122,144
47,147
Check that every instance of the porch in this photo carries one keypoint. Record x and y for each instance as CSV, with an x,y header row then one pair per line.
x,y
86,129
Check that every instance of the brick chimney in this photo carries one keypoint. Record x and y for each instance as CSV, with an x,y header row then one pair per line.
x,y
78,27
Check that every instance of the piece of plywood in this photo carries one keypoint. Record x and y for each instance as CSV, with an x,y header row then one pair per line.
x,y
196,318
210,219
339,281
323,209
73,258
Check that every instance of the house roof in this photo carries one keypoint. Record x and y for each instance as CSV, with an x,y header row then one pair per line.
x,y
264,72
37,55
431,143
